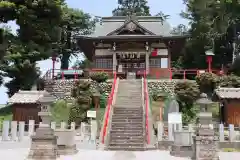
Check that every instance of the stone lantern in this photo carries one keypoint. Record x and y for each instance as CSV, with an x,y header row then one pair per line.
x,y
205,141
209,54
44,143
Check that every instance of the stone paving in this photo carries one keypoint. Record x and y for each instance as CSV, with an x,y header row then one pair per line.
x,y
19,151
21,154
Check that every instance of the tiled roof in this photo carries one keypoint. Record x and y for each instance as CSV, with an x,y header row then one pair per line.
x,y
153,24
27,97
228,93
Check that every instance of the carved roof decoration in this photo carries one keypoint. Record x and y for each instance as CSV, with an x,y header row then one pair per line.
x,y
131,24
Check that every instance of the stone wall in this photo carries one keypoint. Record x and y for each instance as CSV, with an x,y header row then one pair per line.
x,y
62,88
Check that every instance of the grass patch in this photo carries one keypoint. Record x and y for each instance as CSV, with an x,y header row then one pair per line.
x,y
6,113
230,150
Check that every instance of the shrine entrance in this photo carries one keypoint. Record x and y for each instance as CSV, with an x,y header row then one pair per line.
x,y
131,65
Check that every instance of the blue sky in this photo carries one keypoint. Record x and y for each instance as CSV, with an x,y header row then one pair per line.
x,y
104,8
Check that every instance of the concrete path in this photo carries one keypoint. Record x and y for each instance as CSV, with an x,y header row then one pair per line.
x,y
19,151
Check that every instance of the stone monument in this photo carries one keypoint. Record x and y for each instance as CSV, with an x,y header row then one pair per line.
x,y
44,143
205,141
172,107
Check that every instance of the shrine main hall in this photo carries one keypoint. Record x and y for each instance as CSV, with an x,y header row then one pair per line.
x,y
131,45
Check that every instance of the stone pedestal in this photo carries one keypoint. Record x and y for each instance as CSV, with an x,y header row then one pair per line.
x,y
44,145
182,146
66,142
205,148
205,141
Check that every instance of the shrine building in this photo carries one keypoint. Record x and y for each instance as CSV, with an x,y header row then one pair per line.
x,y
132,45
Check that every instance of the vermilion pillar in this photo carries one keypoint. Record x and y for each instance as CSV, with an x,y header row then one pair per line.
x,y
209,61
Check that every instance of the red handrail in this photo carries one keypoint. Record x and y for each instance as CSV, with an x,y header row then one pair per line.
x,y
146,107
110,99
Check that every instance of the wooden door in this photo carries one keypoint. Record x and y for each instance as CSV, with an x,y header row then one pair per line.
x,y
233,114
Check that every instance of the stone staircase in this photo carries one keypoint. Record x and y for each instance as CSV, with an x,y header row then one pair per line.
x,y
127,131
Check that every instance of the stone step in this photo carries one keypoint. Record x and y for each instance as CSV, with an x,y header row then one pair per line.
x,y
128,109
127,131
128,117
120,148
132,99
117,124
139,144
119,106
127,114
125,137
127,141
127,121
125,128
129,104
127,134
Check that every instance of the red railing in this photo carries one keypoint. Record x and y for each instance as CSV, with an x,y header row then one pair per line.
x,y
154,74
179,73
109,105
76,73
146,107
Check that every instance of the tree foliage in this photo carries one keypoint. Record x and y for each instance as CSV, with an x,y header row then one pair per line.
x,y
130,7
46,28
83,99
207,82
74,22
231,81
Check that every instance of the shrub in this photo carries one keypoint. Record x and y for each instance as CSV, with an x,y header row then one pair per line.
x,y
99,76
83,99
230,81
60,111
207,82
187,93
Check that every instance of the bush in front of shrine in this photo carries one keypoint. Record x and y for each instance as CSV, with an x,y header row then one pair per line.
x,y
99,76
187,92
82,94
207,82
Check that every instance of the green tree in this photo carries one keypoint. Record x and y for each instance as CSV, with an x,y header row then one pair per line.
x,y
19,64
187,93
74,22
129,7
38,20
181,29
213,26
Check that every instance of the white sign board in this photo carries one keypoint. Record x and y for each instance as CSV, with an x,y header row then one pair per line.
x,y
175,118
91,114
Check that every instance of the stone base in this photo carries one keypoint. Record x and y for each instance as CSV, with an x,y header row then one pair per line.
x,y
44,145
165,145
67,150
181,151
